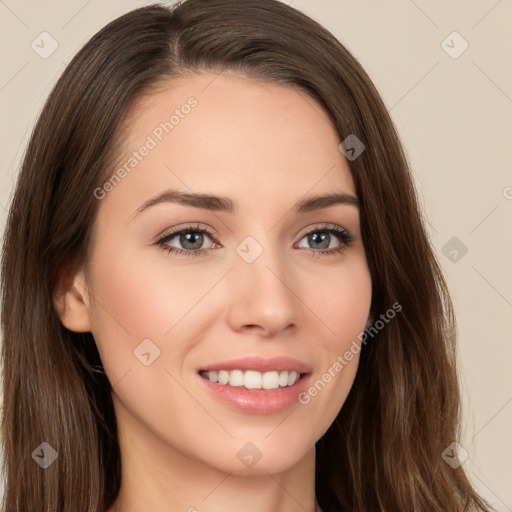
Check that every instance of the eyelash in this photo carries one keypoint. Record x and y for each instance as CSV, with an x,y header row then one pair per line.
x,y
343,235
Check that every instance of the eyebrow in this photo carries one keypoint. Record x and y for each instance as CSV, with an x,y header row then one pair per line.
x,y
225,204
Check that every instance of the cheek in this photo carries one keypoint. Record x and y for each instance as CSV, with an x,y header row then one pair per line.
x,y
143,295
348,313
344,311
136,299
344,304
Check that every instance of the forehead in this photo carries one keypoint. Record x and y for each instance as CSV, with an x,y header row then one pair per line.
x,y
233,136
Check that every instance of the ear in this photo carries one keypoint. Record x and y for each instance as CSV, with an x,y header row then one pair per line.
x,y
71,301
369,321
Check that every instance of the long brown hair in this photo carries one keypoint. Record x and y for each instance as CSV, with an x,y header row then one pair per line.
x,y
384,450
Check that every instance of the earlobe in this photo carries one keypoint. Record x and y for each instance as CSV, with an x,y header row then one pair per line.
x,y
71,302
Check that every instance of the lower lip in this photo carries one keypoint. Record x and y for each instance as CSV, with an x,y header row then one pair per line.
x,y
258,401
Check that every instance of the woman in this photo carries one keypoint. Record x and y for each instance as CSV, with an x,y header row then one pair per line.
x,y
251,369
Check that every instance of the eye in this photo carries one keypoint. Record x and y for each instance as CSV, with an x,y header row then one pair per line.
x,y
192,239
321,239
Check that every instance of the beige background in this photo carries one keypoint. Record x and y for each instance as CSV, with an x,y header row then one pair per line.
x,y
455,117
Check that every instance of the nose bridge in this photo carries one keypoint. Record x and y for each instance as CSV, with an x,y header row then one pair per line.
x,y
261,286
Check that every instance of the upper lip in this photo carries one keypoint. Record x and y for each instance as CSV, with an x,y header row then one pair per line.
x,y
260,364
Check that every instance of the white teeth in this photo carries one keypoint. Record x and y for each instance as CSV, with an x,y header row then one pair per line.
x,y
283,379
223,377
236,378
251,379
270,380
292,378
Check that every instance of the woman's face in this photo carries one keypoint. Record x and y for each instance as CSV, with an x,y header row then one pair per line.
x,y
270,282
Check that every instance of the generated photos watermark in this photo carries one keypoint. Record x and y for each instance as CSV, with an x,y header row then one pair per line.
x,y
342,360
151,142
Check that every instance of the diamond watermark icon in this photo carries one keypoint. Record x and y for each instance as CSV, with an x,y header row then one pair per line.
x,y
249,454
351,147
454,45
45,455
454,249
44,45
146,352
249,249
455,455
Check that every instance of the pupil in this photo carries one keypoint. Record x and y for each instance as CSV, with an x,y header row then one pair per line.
x,y
187,239
315,237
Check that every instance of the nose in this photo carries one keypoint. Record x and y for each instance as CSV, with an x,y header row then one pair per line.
x,y
263,296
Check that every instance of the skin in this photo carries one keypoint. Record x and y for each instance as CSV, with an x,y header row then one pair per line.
x,y
265,146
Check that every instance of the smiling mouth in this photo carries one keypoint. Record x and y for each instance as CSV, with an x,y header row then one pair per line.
x,y
253,380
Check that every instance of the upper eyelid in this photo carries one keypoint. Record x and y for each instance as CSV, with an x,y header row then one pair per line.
x,y
211,233
174,232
